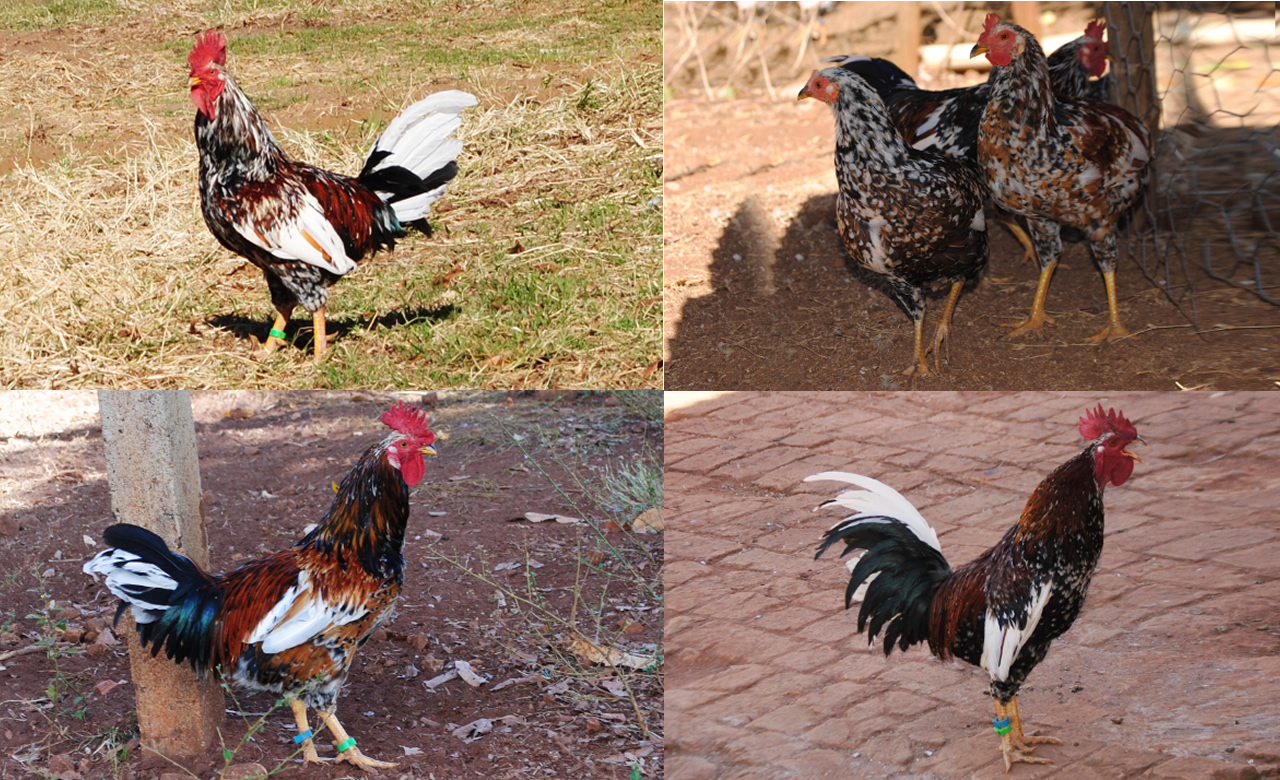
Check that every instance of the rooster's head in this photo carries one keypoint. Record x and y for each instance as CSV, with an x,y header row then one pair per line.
x,y
207,59
1093,54
1111,435
1000,41
409,441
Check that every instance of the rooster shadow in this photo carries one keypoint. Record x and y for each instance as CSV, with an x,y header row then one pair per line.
x,y
303,338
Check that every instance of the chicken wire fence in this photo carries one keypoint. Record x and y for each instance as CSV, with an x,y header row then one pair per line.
x,y
1199,74
1202,76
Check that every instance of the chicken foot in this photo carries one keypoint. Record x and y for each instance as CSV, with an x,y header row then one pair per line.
x,y
1013,752
943,331
1026,742
921,365
309,755
352,754
1114,329
1038,317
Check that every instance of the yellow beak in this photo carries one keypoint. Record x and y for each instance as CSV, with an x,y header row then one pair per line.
x,y
195,81
1136,459
428,450
978,49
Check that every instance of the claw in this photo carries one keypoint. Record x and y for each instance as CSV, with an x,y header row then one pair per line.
x,y
354,757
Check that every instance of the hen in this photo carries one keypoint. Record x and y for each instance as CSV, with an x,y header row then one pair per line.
x,y
947,121
1058,161
913,217
303,226
289,623
1002,610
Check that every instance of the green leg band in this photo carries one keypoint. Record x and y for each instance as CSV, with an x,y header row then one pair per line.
x,y
278,334
346,744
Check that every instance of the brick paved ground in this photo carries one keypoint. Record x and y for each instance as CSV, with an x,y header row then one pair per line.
x,y
1171,671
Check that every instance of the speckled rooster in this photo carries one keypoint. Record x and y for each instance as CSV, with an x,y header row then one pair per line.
x,y
1002,610
289,623
306,227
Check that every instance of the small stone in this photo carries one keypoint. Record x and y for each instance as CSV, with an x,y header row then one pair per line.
x,y
379,636
245,772
419,641
611,400
429,398
90,637
594,726
61,765
73,635
9,638
96,650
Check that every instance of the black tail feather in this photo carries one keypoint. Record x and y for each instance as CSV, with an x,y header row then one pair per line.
x,y
908,573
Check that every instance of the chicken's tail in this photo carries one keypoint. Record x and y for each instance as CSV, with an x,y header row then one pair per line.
x,y
175,603
414,159
902,568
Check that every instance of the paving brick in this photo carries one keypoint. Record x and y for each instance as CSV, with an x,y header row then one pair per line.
x,y
1186,768
712,458
688,767
1171,646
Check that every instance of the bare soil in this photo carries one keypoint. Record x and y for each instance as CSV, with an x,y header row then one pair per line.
x,y
266,472
759,293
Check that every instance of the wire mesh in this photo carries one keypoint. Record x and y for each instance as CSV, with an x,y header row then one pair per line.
x,y
1213,206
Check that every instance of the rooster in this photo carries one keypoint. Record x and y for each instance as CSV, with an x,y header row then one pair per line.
x,y
1002,610
305,227
913,217
1059,162
947,121
289,623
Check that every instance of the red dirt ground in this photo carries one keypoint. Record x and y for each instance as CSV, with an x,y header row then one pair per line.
x,y
265,477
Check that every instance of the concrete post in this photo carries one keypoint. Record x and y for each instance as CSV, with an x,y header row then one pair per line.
x,y
154,475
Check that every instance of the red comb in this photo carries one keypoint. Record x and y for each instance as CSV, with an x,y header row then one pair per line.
x,y
210,47
1096,422
1096,29
409,420
991,21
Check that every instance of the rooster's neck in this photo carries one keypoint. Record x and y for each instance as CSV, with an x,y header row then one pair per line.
x,y
1064,517
367,520
1022,93
865,136
238,137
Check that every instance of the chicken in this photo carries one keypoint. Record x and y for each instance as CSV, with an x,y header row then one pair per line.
x,y
1058,161
1002,610
289,623
947,121
303,226
913,217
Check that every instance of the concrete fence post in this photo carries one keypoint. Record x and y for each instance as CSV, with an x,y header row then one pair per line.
x,y
154,475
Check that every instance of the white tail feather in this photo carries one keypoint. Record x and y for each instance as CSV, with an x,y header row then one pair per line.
x,y
420,139
876,499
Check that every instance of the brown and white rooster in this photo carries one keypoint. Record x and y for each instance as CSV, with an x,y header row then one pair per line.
x,y
913,217
306,227
1058,161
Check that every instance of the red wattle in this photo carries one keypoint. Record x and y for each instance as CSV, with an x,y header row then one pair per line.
x,y
1000,58
412,469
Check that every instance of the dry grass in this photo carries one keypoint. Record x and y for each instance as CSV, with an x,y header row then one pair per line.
x,y
544,267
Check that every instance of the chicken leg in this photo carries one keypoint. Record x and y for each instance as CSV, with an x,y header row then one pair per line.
x,y
276,337
352,754
921,365
309,755
317,323
1014,752
1114,329
943,331
1038,317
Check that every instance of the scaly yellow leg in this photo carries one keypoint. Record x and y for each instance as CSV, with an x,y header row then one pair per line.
x,y
352,754
273,340
944,327
317,322
1022,741
1028,252
1114,329
1011,752
921,366
308,745
1038,317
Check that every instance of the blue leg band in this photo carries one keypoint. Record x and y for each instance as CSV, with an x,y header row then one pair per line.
x,y
303,737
